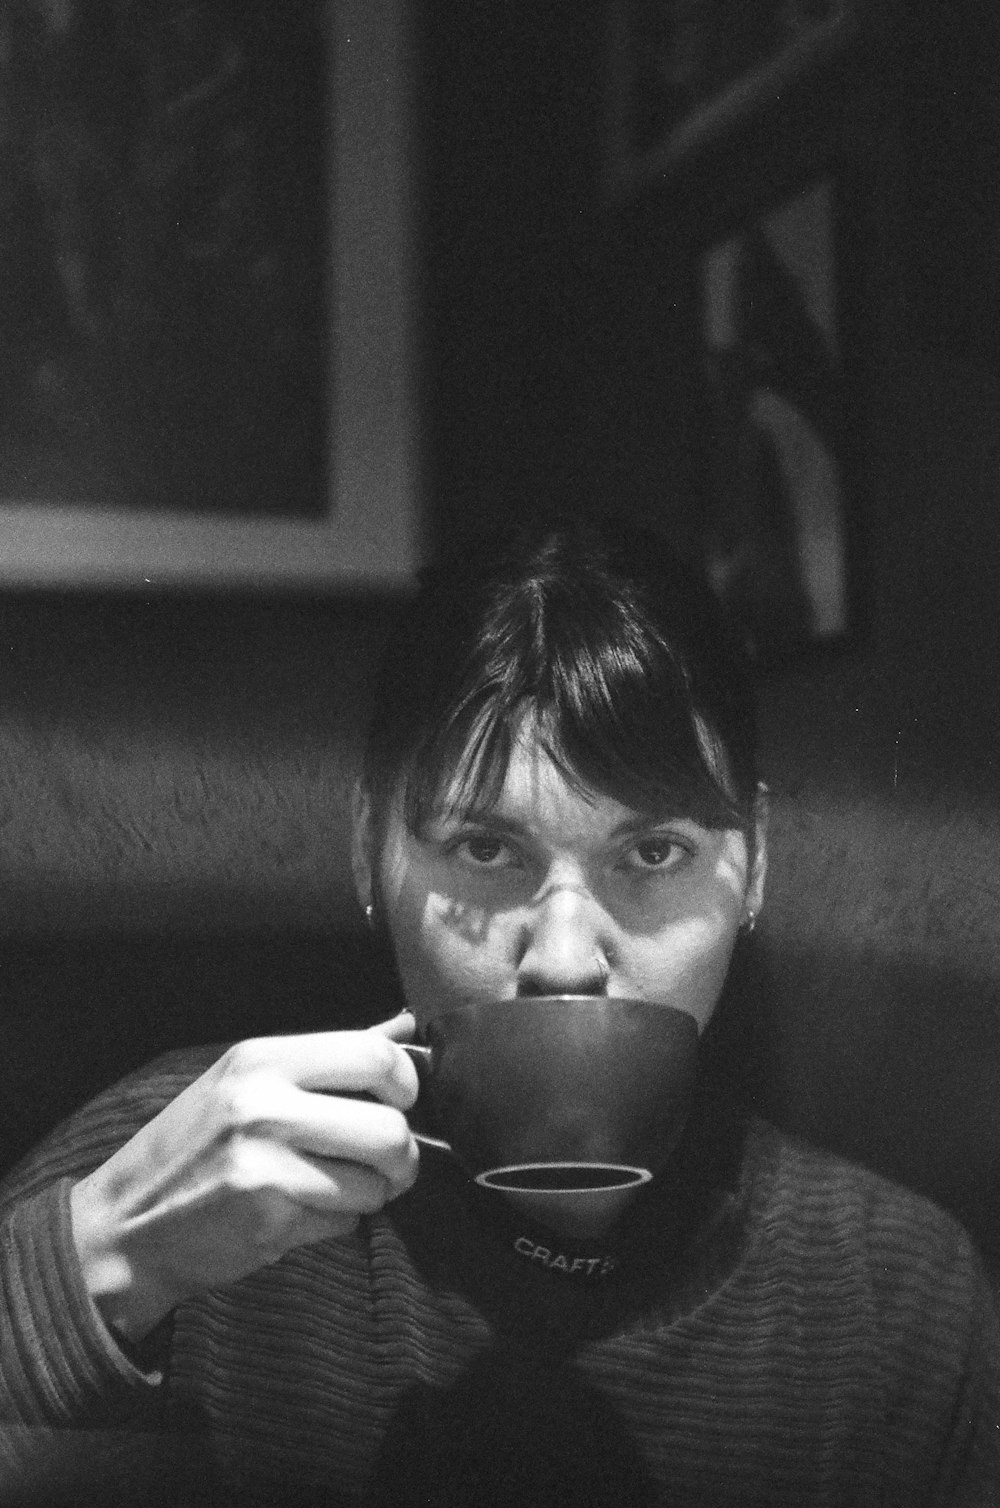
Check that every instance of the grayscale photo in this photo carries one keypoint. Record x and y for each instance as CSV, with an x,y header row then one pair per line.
x,y
499,754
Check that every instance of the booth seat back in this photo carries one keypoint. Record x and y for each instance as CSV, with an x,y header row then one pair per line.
x,y
174,868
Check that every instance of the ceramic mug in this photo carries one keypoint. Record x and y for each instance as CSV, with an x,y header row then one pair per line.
x,y
558,1093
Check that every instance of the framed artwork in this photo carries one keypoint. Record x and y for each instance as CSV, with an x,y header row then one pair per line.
x,y
733,122
778,537
206,368
686,75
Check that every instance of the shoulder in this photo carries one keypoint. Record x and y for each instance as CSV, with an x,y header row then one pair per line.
x,y
810,1190
823,1209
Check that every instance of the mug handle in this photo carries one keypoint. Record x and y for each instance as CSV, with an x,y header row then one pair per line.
x,y
421,1058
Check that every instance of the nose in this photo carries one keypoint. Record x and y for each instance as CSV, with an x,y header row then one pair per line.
x,y
564,951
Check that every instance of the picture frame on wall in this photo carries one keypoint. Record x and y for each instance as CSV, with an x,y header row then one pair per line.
x,y
686,76
779,539
209,369
733,129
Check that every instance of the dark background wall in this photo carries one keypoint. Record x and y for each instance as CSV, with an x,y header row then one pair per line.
x,y
173,768
574,331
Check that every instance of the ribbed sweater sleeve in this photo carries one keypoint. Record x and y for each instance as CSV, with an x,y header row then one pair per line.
x,y
56,1358
938,1315
59,1366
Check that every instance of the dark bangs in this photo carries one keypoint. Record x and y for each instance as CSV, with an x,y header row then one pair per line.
x,y
604,647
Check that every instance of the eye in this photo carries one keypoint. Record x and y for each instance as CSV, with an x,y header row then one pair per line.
x,y
485,851
657,855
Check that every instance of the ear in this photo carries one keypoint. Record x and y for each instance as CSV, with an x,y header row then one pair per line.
x,y
362,844
758,870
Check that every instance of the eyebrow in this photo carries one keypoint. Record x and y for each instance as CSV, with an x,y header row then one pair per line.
x,y
492,821
480,816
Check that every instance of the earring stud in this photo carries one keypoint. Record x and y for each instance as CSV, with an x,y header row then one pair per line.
x,y
748,923
369,914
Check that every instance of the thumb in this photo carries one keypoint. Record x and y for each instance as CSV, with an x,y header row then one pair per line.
x,y
400,1028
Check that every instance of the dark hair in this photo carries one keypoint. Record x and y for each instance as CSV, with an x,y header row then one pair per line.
x,y
638,684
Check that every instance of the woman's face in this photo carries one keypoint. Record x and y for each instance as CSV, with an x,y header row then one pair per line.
x,y
551,891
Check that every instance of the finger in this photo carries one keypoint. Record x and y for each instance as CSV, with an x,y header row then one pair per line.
x,y
330,1187
313,1227
361,1132
369,1136
400,1028
284,1200
348,1062
346,1188
284,1184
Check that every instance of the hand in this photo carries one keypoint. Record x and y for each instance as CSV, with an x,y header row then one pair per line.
x,y
247,1163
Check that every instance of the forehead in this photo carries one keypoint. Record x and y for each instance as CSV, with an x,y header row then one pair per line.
x,y
529,753
535,788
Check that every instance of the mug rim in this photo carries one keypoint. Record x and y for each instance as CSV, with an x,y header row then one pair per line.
x,y
637,1176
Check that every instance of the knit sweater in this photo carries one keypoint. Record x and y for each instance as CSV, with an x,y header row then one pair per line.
x,y
769,1326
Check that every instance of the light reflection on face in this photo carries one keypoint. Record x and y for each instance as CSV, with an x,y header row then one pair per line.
x,y
553,891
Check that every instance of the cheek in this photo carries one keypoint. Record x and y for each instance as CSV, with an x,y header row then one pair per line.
x,y
687,965
446,953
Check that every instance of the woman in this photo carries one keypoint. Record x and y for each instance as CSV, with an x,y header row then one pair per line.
x,y
559,796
